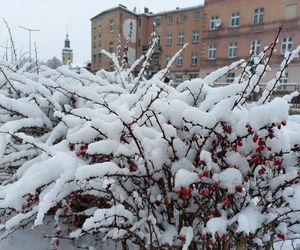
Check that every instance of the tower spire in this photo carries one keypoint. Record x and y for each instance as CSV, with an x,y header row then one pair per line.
x,y
67,52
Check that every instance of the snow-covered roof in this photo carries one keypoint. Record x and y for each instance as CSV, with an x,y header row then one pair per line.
x,y
178,10
122,7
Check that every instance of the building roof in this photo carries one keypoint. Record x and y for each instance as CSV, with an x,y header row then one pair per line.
x,y
119,7
178,10
122,7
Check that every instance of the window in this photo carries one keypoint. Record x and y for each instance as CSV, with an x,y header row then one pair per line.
x,y
230,77
156,62
290,12
178,78
180,38
169,19
157,21
258,16
197,15
194,60
181,18
168,59
287,44
255,47
232,48
179,60
284,78
212,48
111,47
169,39
99,59
111,25
214,22
235,19
196,36
193,76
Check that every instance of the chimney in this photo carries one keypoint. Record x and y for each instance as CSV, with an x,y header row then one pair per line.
x,y
146,10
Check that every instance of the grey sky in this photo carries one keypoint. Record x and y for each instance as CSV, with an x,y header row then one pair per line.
x,y
53,16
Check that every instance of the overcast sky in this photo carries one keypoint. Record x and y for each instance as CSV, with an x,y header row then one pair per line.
x,y
53,16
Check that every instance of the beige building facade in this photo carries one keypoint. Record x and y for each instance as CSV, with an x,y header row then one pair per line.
x,y
218,33
231,28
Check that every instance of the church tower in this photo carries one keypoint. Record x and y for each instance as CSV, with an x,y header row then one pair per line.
x,y
67,52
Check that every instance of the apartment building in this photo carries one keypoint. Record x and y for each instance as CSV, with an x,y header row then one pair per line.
x,y
109,29
231,28
219,33
133,31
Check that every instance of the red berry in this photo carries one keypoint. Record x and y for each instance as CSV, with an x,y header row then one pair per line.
x,y
277,162
239,189
214,213
204,174
57,242
261,171
214,185
281,236
223,237
212,242
261,160
65,211
283,123
255,138
261,142
234,147
202,237
204,192
246,178
181,237
227,201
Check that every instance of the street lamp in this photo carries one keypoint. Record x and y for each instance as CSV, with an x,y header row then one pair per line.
x,y
29,31
6,50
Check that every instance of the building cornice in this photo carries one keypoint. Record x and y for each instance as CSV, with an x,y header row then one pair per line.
x,y
123,8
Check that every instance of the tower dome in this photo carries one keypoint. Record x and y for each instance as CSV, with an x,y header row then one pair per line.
x,y
67,52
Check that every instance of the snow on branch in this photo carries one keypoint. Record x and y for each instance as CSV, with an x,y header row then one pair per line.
x,y
133,161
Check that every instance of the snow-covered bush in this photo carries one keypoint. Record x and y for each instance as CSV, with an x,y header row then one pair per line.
x,y
118,158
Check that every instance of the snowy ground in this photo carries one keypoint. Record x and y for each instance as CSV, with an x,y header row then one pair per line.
x,y
32,239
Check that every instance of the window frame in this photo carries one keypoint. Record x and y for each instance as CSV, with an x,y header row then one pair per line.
x,y
179,60
212,50
180,39
212,22
232,49
195,36
197,15
111,25
286,44
258,16
235,19
194,59
169,19
230,77
169,39
255,48
181,19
